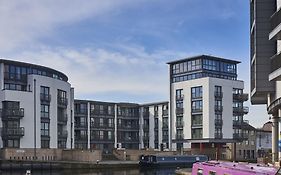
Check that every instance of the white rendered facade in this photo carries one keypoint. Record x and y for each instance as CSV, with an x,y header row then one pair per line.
x,y
25,131
206,102
208,113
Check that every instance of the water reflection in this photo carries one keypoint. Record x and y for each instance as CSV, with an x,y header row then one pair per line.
x,y
170,171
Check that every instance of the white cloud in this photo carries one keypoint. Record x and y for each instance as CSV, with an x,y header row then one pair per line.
x,y
23,22
96,70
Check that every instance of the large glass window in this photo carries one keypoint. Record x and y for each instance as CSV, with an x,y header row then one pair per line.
x,y
45,128
45,111
196,92
197,105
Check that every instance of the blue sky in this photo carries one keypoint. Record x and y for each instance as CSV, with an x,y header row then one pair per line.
x,y
116,50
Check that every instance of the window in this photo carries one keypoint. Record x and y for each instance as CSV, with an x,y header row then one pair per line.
x,y
110,122
44,90
45,143
196,92
196,105
45,129
101,135
45,111
179,93
109,135
179,104
11,143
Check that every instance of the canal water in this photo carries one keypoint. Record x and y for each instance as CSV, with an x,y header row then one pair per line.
x,y
160,171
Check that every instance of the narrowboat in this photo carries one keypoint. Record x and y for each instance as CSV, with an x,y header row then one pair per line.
x,y
173,161
232,168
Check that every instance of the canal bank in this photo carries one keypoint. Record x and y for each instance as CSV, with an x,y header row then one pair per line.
x,y
64,165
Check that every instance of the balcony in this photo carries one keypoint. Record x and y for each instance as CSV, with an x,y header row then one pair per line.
x,y
165,138
10,114
237,123
275,67
274,106
81,138
62,119
196,110
180,97
62,134
241,97
12,132
165,127
80,125
15,77
145,114
218,94
218,122
196,136
165,112
62,102
179,111
146,138
197,124
45,97
218,108
275,20
218,135
179,136
145,127
239,136
179,124
241,110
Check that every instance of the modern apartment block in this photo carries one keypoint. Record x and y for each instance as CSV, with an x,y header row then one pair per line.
x,y
108,125
35,106
155,123
265,61
206,102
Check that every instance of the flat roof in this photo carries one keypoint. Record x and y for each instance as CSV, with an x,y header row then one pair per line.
x,y
204,56
20,63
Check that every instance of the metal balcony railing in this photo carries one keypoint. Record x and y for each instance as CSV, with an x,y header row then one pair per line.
x,y
62,134
180,124
165,112
12,113
179,136
218,94
218,135
180,97
241,110
179,110
12,132
218,108
63,119
218,122
241,97
45,97
62,101
273,107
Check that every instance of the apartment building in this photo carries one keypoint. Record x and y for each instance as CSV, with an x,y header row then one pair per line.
x,y
265,61
108,125
206,103
35,106
155,123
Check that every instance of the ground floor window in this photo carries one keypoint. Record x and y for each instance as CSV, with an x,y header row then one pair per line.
x,y
12,143
45,143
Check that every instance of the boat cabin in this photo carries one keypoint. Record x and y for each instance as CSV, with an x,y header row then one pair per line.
x,y
232,168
